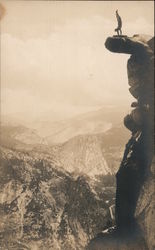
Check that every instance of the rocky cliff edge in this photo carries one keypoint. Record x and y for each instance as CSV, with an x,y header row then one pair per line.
x,y
134,208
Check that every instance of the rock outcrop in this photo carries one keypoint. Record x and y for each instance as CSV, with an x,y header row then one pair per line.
x,y
134,192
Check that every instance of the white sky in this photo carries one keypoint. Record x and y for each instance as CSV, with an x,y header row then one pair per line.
x,y
53,59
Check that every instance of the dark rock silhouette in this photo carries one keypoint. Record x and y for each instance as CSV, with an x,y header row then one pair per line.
x,y
135,172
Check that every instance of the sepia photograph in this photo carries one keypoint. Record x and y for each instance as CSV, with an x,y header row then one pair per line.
x,y
77,125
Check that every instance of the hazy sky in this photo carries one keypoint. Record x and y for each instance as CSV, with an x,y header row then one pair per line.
x,y
53,59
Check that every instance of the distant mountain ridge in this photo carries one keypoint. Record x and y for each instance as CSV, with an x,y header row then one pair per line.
x,y
89,154
19,134
60,131
55,132
90,143
94,122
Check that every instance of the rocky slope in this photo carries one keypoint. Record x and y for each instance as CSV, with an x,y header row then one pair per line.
x,y
90,154
93,155
11,135
83,154
44,207
134,193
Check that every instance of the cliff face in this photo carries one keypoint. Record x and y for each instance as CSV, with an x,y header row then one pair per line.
x,y
145,210
134,193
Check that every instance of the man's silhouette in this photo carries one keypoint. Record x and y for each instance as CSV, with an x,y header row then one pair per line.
x,y
119,20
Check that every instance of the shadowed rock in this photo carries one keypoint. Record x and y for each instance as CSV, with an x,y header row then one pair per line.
x,y
128,45
135,168
116,241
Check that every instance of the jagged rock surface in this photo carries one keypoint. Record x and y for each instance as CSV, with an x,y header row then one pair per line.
x,y
43,207
145,211
135,177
